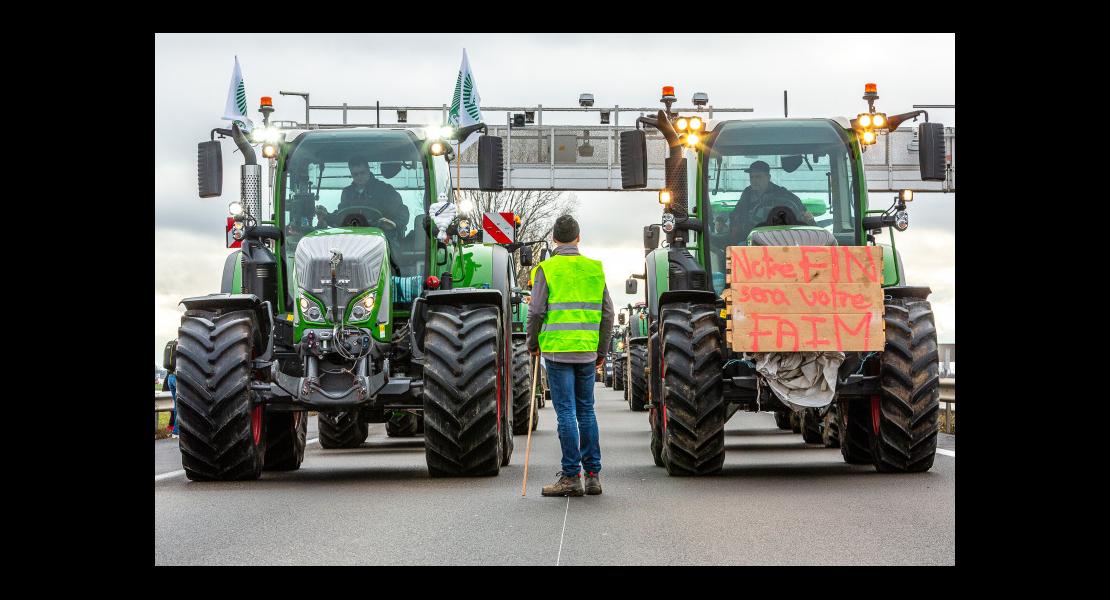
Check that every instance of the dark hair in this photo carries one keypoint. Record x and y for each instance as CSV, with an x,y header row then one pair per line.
x,y
566,229
358,162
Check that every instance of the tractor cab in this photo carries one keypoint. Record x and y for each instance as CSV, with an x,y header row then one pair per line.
x,y
376,184
763,176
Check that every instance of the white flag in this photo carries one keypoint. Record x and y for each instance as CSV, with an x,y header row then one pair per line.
x,y
236,108
465,104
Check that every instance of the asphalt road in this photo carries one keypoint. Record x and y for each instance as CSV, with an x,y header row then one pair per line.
x,y
777,501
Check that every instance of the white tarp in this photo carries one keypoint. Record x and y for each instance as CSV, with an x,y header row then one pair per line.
x,y
800,379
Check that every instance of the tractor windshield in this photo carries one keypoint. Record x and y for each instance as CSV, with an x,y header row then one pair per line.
x,y
358,177
752,167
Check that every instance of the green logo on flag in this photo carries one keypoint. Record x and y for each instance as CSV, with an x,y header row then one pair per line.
x,y
464,98
241,98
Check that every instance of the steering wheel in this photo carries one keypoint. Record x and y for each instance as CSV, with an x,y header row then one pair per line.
x,y
357,216
781,215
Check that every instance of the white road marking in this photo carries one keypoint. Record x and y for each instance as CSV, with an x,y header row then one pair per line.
x,y
951,453
168,475
171,474
560,556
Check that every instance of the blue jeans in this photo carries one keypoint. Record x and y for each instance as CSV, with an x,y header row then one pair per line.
x,y
572,394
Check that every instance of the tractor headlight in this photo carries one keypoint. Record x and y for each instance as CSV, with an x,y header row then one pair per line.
x,y
692,140
438,148
864,120
681,124
901,220
878,120
868,137
695,124
363,307
310,310
668,222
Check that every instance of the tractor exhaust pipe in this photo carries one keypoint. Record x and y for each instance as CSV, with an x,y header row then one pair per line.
x,y
250,180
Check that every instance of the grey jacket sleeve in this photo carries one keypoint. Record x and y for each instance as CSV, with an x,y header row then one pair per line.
x,y
608,315
537,309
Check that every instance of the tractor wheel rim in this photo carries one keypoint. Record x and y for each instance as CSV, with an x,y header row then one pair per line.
x,y
875,410
256,424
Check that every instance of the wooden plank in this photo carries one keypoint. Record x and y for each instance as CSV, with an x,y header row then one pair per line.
x,y
805,264
793,298
801,332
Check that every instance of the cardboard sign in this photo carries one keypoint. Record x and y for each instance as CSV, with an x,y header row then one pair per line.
x,y
805,298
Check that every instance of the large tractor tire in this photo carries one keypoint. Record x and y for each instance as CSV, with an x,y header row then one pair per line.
x,y
285,440
655,414
855,430
693,399
462,434
637,395
402,424
782,419
222,431
522,395
830,426
904,414
341,429
811,426
618,373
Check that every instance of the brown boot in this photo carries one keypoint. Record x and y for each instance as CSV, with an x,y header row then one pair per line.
x,y
565,486
593,483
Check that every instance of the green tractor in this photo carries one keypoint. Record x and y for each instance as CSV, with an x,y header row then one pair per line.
x,y
362,318
614,360
635,361
881,403
522,361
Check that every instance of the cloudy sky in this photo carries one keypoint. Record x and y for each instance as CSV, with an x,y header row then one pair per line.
x,y
824,75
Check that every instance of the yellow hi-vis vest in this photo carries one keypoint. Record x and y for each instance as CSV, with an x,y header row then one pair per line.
x,y
575,294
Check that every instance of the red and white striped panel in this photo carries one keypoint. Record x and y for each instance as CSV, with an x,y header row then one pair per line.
x,y
499,225
231,241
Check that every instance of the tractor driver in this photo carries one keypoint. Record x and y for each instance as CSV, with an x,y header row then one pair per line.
x,y
758,199
368,191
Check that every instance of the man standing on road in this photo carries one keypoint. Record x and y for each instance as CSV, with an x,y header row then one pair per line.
x,y
570,320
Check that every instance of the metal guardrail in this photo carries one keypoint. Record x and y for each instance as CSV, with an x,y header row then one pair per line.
x,y
948,398
163,402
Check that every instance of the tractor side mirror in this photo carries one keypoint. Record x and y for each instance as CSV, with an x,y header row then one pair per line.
x,y
620,318
629,288
210,169
526,256
491,164
169,356
930,156
651,238
791,163
633,159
